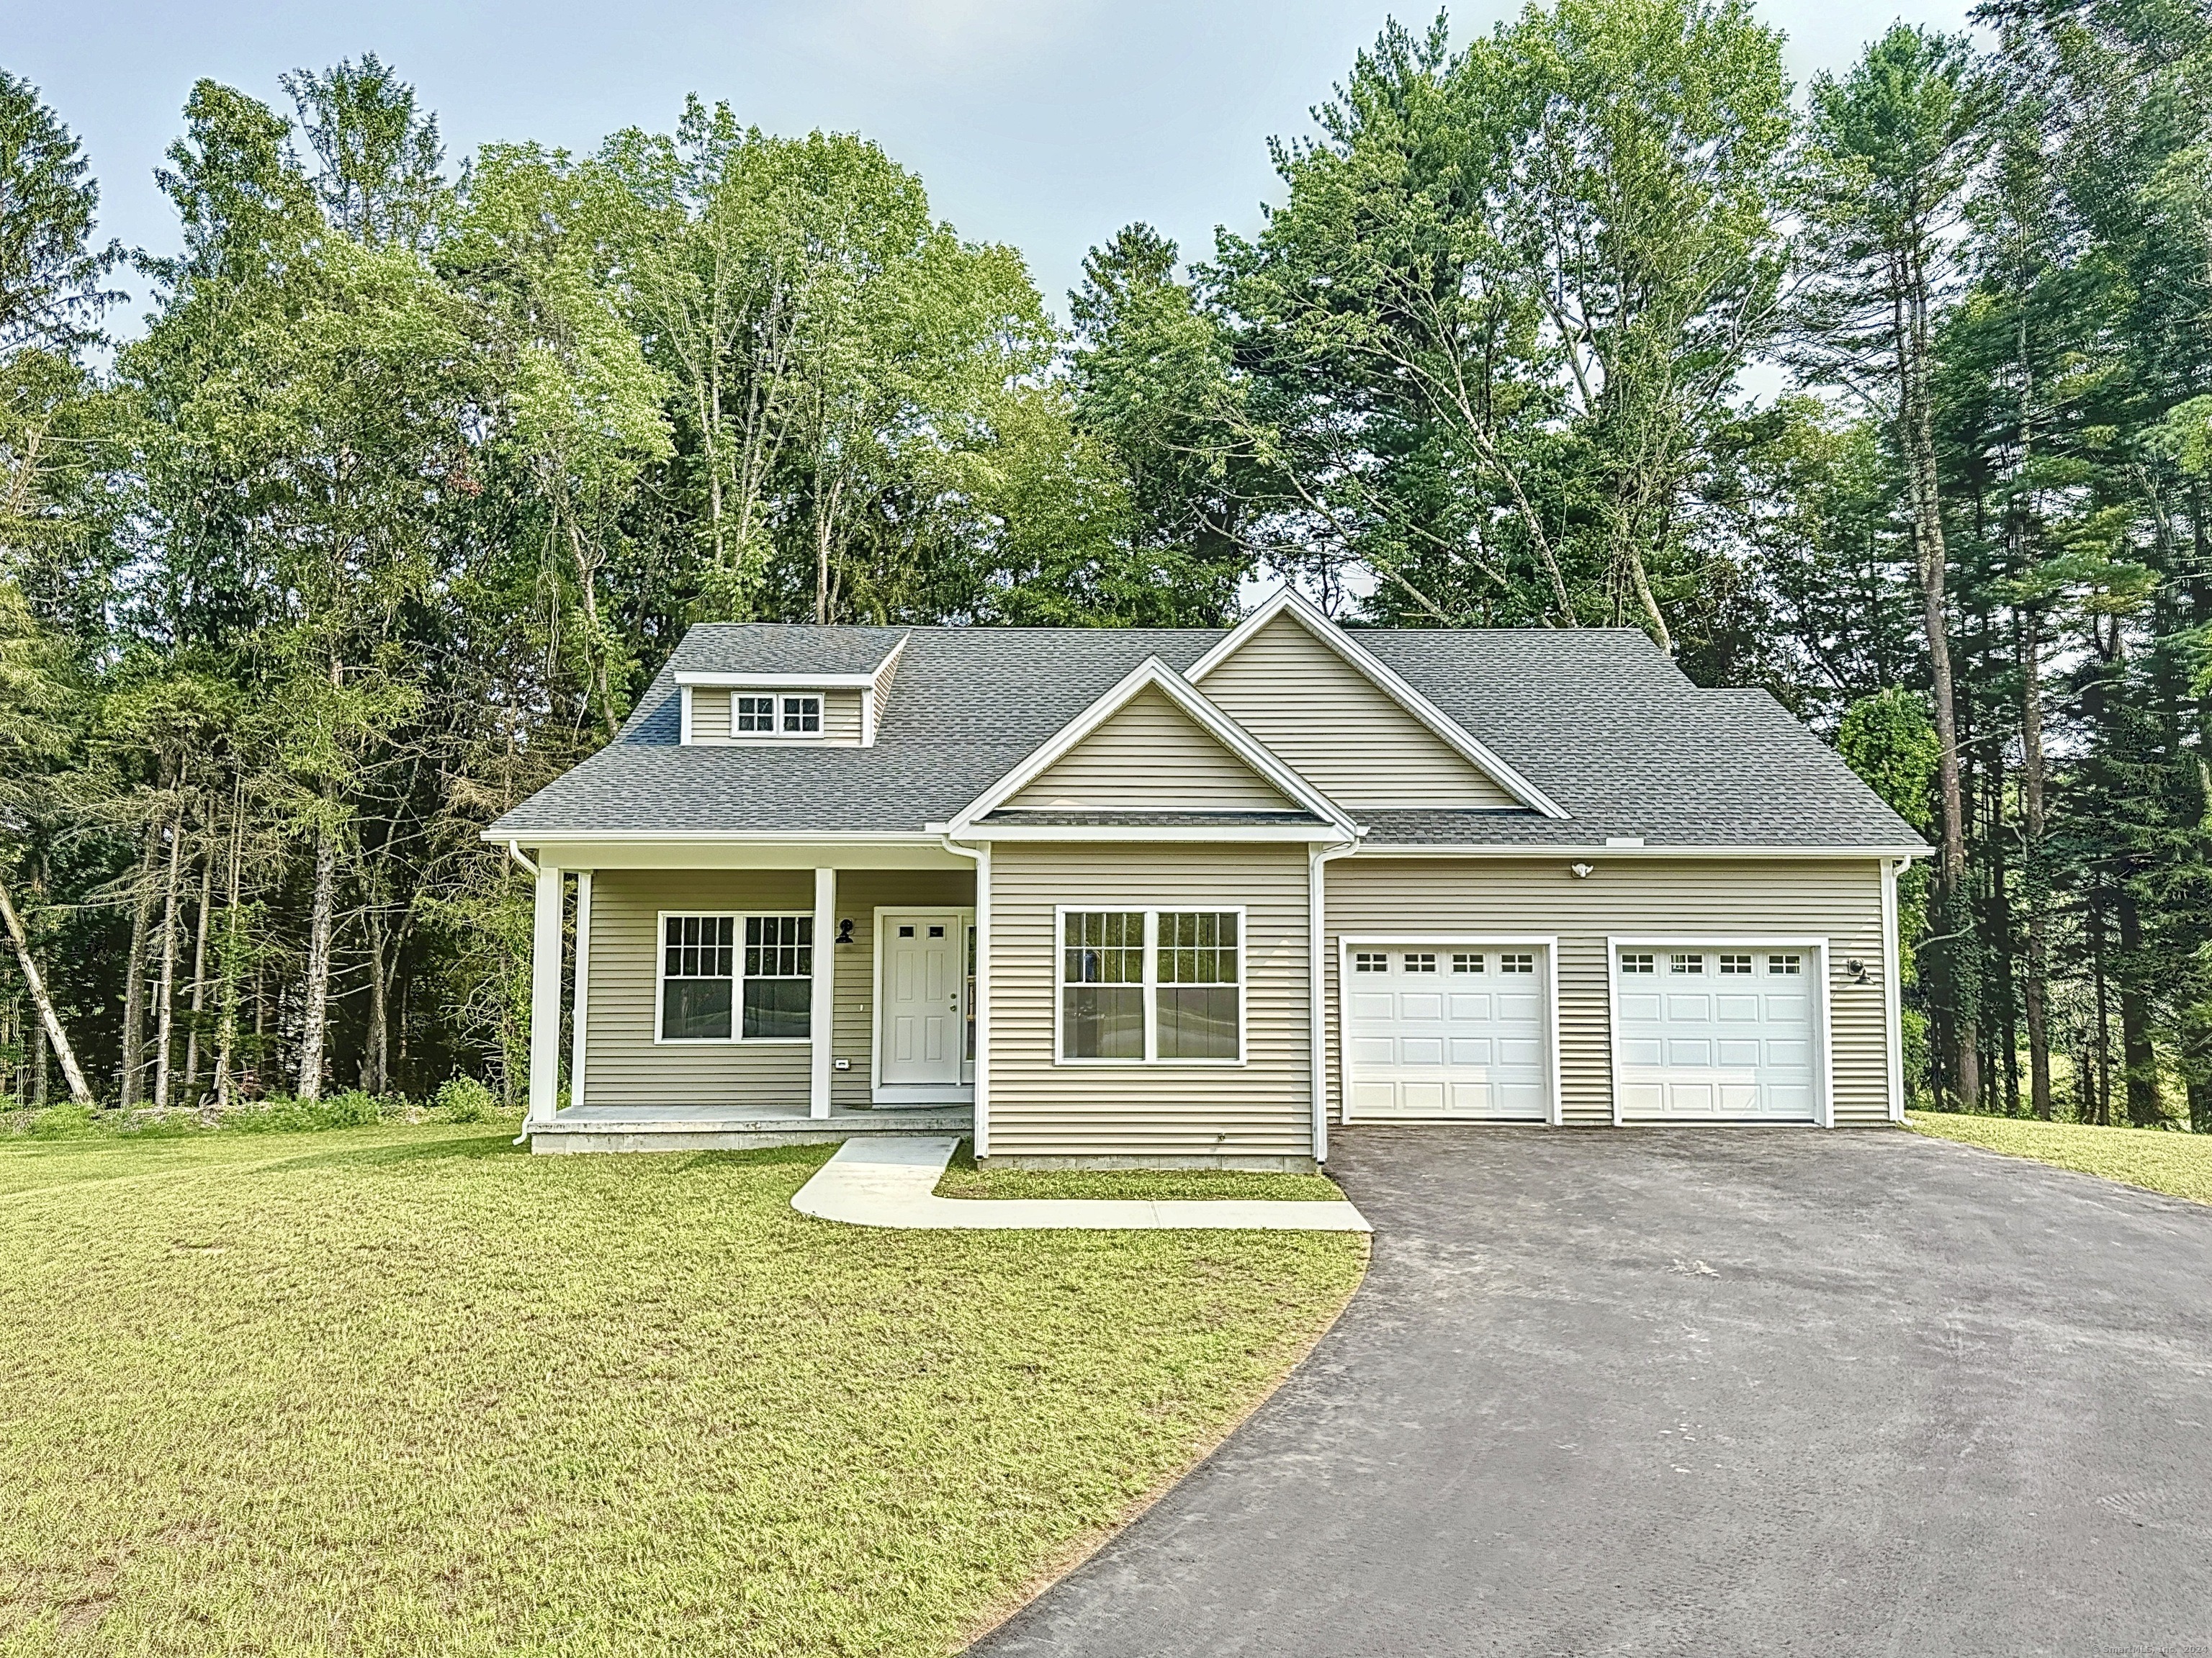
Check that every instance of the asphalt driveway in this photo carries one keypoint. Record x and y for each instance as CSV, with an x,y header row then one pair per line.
x,y
1706,1392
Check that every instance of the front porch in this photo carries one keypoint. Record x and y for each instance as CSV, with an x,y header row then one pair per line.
x,y
701,1002
722,1128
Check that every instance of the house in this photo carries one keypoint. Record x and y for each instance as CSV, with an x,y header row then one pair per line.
x,y
1194,897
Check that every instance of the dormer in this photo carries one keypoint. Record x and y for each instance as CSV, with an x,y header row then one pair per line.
x,y
765,710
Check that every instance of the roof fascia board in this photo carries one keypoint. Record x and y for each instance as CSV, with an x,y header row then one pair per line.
x,y
714,837
1297,833
1466,849
837,682
1150,673
1385,680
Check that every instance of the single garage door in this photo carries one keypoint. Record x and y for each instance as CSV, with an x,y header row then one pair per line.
x,y
1717,1034
1439,1031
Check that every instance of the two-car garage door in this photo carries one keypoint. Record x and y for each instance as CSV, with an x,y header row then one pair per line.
x,y
1443,1030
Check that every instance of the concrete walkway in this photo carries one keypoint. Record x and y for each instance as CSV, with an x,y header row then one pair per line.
x,y
891,1180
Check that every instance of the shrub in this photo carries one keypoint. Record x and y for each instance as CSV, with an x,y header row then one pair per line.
x,y
463,1099
58,1121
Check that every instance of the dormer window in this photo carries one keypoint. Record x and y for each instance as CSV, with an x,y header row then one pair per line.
x,y
784,716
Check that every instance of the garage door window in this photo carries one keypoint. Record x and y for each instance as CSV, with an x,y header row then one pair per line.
x,y
1686,963
1148,986
1466,961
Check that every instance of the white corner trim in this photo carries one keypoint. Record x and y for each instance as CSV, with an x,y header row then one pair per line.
x,y
580,1013
1814,943
684,724
1152,674
1893,973
1385,680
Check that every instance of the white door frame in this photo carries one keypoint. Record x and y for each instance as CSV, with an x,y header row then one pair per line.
x,y
1547,942
1815,944
960,1093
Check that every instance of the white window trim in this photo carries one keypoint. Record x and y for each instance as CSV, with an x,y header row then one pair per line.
x,y
1547,975
1152,911
1815,945
959,1093
737,981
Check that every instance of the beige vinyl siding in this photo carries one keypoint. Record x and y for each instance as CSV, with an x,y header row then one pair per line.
x,y
1149,753
1338,729
859,892
710,717
1039,1108
623,1064
1840,899
710,713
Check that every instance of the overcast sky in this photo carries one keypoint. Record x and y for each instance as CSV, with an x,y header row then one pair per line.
x,y
1044,125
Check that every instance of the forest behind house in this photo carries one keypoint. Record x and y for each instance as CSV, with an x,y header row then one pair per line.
x,y
375,506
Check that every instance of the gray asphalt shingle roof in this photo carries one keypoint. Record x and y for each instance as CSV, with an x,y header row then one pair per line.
x,y
1598,719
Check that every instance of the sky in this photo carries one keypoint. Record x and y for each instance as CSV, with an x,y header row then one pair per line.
x,y
1044,124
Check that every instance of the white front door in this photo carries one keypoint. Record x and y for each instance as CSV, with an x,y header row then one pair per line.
x,y
1717,1033
921,1028
1437,1031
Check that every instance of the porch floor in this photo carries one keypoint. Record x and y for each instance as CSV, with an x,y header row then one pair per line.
x,y
720,1128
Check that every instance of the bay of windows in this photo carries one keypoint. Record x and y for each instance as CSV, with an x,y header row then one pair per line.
x,y
1151,984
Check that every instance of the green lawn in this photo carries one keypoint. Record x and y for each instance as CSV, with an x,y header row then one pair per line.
x,y
396,1390
2178,1165
962,1179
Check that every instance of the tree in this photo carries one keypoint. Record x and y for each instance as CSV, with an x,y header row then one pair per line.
x,y
1892,148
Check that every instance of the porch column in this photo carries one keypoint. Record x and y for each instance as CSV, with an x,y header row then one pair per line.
x,y
546,996
823,1016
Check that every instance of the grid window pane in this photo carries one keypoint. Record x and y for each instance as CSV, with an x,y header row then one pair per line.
x,y
1103,1021
778,1007
778,946
1735,964
1370,961
1466,961
1421,962
1782,966
802,713
696,958
1198,972
1197,948
1637,962
755,713
1103,947
1686,963
694,1010
1516,963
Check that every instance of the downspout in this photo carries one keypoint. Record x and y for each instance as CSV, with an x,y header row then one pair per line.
x,y
514,851
981,1110
1318,855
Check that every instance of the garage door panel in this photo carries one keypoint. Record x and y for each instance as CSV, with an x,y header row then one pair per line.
x,y
1744,1051
1420,1048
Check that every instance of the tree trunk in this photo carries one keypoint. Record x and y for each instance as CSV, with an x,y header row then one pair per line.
x,y
199,973
55,1036
165,1006
2104,1098
2036,882
317,1000
2138,1060
1916,408
134,980
226,1031
375,1069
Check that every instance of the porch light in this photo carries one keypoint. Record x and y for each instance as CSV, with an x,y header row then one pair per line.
x,y
844,932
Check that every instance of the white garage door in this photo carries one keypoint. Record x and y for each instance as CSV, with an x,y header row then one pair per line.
x,y
1717,1033
1441,1031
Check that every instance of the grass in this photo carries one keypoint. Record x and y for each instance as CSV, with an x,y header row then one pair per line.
x,y
962,1179
392,1390
2179,1165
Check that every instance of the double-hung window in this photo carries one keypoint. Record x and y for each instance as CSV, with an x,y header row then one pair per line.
x,y
713,989
1151,984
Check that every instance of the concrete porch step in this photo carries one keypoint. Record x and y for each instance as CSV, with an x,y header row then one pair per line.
x,y
696,1128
